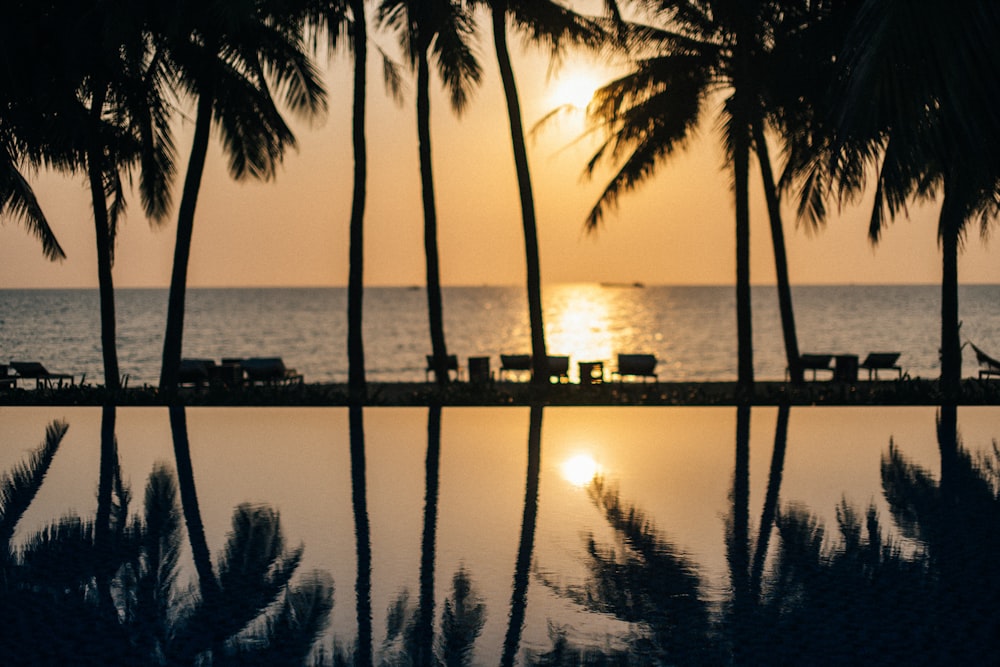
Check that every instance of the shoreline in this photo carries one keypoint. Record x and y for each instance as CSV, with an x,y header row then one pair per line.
x,y
418,394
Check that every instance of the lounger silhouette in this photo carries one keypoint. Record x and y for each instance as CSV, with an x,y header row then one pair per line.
x,y
814,363
881,361
195,372
452,366
518,365
559,368
269,370
988,366
33,370
635,365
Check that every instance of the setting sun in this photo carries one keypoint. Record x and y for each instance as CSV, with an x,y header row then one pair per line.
x,y
580,469
574,89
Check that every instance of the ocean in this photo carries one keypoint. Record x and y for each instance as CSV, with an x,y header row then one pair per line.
x,y
691,330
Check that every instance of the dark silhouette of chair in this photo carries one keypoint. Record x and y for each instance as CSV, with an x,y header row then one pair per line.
x,y
516,364
558,368
635,366
452,366
7,381
479,370
814,363
988,366
33,370
269,371
881,361
195,372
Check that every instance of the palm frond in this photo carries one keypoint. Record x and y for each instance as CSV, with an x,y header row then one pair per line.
x,y
18,200
19,486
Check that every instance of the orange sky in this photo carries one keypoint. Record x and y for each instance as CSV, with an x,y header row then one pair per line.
x,y
678,229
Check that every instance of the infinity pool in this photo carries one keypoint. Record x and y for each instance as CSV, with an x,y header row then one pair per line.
x,y
488,536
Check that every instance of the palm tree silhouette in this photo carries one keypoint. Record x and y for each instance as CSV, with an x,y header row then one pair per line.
x,y
551,23
230,59
250,584
644,580
526,545
103,111
362,538
920,107
440,29
695,50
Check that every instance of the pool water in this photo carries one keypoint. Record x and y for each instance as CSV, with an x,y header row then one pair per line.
x,y
483,536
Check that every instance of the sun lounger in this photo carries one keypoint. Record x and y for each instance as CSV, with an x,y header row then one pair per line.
x,y
195,372
881,361
7,381
479,370
452,366
814,363
988,366
33,370
519,365
635,366
269,371
559,368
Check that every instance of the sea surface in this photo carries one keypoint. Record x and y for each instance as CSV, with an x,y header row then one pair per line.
x,y
691,330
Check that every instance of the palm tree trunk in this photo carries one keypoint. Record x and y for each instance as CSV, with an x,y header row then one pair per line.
x,y
103,538
424,645
105,247
173,338
770,509
200,554
522,568
738,542
539,356
951,347
362,538
435,309
356,382
744,318
780,258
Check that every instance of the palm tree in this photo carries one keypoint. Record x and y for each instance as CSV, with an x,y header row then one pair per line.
x,y
105,112
526,545
651,112
695,51
919,106
362,654
550,23
230,58
438,29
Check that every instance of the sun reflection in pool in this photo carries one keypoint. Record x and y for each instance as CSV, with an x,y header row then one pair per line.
x,y
580,469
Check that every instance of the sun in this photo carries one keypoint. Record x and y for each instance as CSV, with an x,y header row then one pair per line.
x,y
580,469
574,89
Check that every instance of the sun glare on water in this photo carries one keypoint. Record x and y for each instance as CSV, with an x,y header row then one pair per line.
x,y
580,470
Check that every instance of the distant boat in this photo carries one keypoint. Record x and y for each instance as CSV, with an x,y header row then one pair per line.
x,y
635,284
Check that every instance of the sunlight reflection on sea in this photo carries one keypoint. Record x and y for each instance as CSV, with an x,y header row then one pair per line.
x,y
691,330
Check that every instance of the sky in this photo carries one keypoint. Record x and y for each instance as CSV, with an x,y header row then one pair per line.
x,y
678,228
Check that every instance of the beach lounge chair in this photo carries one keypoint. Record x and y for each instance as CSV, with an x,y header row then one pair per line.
x,y
195,372
479,370
519,365
7,381
988,366
635,366
452,366
881,361
33,370
558,368
269,371
814,363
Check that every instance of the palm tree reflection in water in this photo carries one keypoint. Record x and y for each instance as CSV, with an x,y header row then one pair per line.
x,y
410,632
103,592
